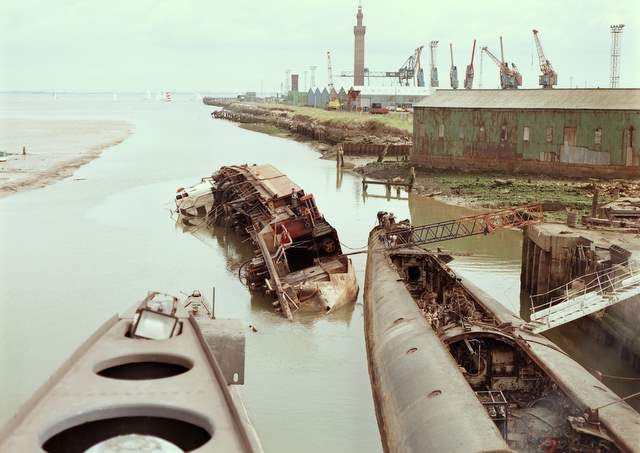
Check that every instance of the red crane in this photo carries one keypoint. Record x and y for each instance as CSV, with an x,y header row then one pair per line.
x,y
468,78
549,77
510,78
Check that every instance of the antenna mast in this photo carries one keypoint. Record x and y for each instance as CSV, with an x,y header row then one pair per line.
x,y
616,34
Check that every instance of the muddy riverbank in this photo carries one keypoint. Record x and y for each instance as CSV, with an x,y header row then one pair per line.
x,y
38,152
326,130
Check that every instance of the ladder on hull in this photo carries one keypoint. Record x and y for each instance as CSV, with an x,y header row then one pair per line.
x,y
617,284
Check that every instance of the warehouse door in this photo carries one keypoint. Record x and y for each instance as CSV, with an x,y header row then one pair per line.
x,y
570,136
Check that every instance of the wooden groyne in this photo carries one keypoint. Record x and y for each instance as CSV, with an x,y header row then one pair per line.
x,y
236,116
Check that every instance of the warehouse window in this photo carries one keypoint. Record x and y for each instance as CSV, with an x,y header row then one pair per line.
x,y
481,134
597,136
503,133
525,134
549,134
461,134
441,130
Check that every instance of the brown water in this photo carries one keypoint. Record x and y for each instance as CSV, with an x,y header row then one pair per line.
x,y
74,253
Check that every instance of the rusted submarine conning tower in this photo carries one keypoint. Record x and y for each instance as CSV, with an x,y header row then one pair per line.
x,y
416,401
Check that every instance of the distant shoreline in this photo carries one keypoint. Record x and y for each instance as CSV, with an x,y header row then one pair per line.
x,y
55,149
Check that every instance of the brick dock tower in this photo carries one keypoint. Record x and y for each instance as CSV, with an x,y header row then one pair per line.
x,y
358,55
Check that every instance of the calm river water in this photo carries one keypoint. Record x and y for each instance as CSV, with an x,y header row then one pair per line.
x,y
75,252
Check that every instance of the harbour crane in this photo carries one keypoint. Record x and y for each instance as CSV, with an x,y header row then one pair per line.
x,y
549,77
334,102
468,78
419,70
411,70
453,72
510,78
434,68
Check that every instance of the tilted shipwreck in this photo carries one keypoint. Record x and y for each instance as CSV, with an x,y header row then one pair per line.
x,y
297,253
453,370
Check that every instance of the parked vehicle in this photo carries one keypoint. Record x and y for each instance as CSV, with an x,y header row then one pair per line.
x,y
377,109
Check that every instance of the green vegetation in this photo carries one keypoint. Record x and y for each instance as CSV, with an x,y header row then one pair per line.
x,y
495,191
488,190
403,121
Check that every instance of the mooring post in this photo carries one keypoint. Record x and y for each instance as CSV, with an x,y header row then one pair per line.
x,y
412,178
340,157
24,150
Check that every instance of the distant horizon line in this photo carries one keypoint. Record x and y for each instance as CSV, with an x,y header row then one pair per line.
x,y
204,92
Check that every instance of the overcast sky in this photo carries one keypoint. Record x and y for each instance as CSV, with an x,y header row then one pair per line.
x,y
242,45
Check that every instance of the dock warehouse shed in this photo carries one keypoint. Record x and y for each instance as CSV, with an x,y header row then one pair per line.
x,y
567,132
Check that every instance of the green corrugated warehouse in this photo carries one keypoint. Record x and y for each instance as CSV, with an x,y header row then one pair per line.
x,y
570,132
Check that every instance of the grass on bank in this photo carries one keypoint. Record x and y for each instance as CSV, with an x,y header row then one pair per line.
x,y
400,120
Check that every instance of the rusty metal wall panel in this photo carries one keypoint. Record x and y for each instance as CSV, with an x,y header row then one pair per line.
x,y
614,128
578,155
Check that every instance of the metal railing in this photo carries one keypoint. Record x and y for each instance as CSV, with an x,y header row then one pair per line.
x,y
516,217
606,284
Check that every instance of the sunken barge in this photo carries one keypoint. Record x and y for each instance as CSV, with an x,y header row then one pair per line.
x,y
297,253
453,370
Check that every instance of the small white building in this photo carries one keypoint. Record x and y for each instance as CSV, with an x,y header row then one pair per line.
x,y
390,97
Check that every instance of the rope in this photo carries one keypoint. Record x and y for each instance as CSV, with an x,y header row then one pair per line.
x,y
621,378
353,248
617,401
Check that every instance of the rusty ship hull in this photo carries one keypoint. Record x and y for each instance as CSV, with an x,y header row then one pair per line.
x,y
297,253
453,370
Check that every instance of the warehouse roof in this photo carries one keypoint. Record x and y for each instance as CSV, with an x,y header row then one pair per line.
x,y
554,99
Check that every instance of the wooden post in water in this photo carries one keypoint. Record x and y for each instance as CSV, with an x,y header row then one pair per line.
x,y
412,178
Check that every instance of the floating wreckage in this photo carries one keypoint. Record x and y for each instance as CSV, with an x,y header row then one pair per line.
x,y
297,253
158,378
453,370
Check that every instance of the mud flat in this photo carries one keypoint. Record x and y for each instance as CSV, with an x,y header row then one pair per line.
x,y
54,149
499,190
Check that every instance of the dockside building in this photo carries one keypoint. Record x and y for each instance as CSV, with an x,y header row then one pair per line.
x,y
568,132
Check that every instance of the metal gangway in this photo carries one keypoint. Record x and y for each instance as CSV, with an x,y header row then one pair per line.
x,y
516,217
583,296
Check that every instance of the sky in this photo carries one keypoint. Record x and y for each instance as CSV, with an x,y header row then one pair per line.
x,y
247,45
